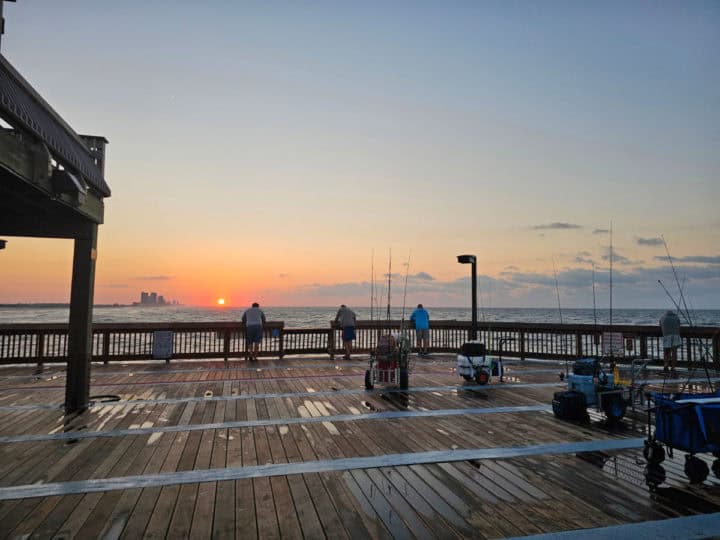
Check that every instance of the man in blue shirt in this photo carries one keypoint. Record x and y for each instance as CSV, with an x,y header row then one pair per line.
x,y
422,329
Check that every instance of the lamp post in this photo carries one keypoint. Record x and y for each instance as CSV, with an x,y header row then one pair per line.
x,y
470,259
2,244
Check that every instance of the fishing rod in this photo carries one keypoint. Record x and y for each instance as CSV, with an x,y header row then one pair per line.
x,y
677,281
372,282
557,290
407,271
610,255
596,338
704,349
389,283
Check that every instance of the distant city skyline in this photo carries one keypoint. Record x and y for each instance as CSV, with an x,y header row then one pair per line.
x,y
274,153
154,299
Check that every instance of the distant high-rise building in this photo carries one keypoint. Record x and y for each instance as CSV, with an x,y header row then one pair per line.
x,y
144,297
153,298
161,300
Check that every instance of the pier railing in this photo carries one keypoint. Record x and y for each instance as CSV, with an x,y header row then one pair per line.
x,y
47,343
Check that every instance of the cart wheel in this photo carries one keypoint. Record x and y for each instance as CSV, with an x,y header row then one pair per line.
x,y
368,380
467,377
716,467
654,453
654,476
614,408
404,379
481,377
696,469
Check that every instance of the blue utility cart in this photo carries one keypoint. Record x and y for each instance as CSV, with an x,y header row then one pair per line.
x,y
686,422
590,386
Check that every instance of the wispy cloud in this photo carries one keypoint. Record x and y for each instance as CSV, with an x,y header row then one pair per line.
x,y
114,285
557,225
702,259
153,278
649,241
617,258
601,231
422,276
633,286
283,276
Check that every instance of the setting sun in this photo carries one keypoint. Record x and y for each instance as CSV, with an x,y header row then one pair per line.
x,y
221,301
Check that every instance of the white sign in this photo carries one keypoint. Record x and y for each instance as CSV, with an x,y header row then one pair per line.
x,y
613,344
162,346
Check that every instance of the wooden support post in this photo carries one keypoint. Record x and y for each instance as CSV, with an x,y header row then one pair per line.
x,y
281,341
643,347
578,344
226,345
40,353
106,347
331,342
522,345
716,349
688,348
77,388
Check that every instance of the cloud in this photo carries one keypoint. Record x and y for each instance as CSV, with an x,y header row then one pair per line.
x,y
557,225
584,260
283,276
511,267
633,287
601,231
424,276
649,241
154,278
692,259
617,258
115,286
585,254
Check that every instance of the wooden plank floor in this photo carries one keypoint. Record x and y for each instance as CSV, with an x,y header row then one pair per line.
x,y
482,498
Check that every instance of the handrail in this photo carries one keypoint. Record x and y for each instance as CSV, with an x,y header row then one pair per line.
x,y
42,343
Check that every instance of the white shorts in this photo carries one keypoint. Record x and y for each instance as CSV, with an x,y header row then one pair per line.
x,y
672,341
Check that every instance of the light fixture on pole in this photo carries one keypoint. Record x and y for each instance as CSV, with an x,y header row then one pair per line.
x,y
470,259
2,244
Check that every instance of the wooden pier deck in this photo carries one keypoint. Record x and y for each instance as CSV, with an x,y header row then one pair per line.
x,y
297,448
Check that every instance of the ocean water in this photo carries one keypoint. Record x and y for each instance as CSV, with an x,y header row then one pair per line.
x,y
320,317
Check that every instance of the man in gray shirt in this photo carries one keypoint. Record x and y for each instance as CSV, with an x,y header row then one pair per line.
x,y
253,319
345,319
670,327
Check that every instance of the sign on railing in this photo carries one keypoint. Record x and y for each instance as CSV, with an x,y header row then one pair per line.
x,y
162,346
613,344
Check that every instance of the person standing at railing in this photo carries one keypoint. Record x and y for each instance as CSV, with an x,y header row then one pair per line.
x,y
345,319
254,318
670,326
421,318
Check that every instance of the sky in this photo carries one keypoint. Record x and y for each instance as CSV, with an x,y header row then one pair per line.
x,y
291,152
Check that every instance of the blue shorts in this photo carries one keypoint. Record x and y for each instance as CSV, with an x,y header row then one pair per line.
x,y
253,334
348,333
